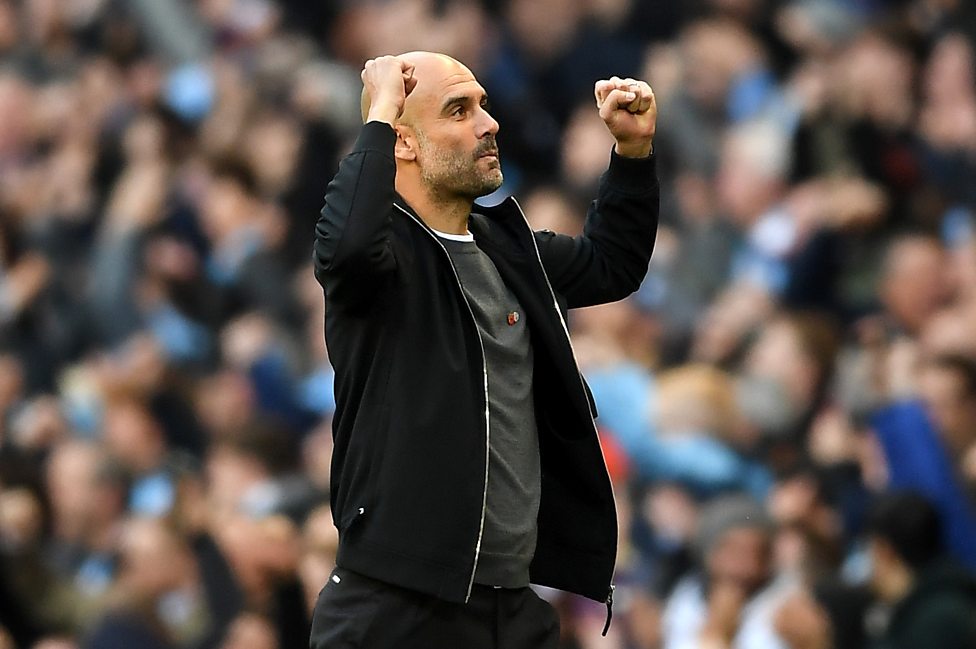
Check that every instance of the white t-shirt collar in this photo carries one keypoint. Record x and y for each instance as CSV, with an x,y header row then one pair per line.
x,y
467,236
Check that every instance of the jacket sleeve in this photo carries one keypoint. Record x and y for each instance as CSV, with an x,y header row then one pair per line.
x,y
609,260
352,236
917,460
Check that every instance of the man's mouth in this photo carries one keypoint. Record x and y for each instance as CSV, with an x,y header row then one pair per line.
x,y
489,149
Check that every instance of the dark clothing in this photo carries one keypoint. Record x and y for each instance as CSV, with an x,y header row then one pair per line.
x,y
846,606
916,459
289,613
514,480
15,615
411,433
223,594
355,611
125,630
940,611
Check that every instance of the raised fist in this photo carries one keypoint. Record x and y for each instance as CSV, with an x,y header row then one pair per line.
x,y
387,80
628,108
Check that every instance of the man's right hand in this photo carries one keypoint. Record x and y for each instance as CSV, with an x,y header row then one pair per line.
x,y
387,80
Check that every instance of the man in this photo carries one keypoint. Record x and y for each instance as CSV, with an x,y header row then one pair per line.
x,y
914,282
947,386
929,601
732,602
466,462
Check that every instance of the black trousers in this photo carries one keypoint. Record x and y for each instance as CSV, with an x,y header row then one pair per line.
x,y
356,612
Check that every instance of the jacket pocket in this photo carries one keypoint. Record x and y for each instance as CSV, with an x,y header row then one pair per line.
x,y
346,609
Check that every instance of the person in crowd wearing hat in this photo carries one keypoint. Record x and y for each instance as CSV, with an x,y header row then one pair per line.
x,y
732,601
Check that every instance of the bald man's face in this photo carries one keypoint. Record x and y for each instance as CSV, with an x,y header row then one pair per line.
x,y
454,135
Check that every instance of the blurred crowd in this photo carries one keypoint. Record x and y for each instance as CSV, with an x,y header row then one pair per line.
x,y
788,405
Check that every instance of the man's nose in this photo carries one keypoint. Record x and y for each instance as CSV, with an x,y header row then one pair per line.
x,y
487,125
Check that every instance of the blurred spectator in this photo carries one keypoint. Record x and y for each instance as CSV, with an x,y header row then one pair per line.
x,y
928,601
154,602
87,493
913,283
917,459
785,373
250,631
56,643
136,441
733,600
947,385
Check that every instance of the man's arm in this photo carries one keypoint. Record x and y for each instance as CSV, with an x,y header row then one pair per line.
x,y
352,234
609,260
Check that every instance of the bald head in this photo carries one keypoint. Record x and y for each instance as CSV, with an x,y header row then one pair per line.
x,y
431,70
445,149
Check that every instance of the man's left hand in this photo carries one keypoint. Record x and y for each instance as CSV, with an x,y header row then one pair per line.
x,y
627,107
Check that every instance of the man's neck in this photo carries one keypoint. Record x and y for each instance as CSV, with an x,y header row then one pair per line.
x,y
444,214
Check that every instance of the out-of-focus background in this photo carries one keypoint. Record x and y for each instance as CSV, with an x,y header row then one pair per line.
x,y
804,343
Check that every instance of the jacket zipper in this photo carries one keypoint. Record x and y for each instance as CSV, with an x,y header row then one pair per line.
x,y
484,369
535,246
609,603
559,313
555,305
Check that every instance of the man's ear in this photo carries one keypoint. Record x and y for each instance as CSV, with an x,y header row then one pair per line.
x,y
406,143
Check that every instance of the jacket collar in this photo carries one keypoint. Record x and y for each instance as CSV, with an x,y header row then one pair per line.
x,y
505,211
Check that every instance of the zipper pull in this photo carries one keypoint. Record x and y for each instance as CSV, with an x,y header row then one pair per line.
x,y
606,627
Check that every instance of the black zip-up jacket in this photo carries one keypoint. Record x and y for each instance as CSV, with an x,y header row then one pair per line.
x,y
410,461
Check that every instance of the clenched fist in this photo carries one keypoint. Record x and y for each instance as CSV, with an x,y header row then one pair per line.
x,y
387,81
627,107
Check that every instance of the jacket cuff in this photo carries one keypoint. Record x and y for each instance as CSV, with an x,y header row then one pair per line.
x,y
376,136
632,175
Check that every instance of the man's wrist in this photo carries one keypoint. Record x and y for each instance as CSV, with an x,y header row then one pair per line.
x,y
383,112
631,175
376,136
640,149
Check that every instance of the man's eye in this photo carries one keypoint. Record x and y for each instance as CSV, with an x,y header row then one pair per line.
x,y
486,106
459,111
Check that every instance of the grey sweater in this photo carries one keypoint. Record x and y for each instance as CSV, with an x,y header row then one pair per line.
x,y
514,480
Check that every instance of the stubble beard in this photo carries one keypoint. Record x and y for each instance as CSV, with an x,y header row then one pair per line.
x,y
450,173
